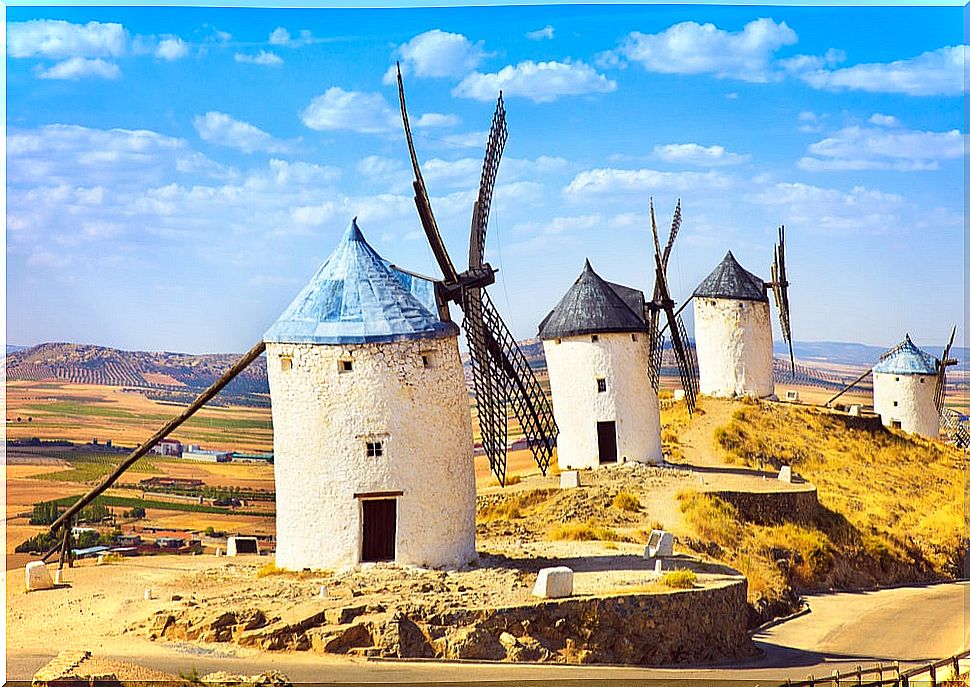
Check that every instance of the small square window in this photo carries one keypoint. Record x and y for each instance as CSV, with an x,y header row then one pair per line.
x,y
897,379
600,385
286,363
633,336
375,449
594,338
921,380
558,341
426,359
895,403
345,366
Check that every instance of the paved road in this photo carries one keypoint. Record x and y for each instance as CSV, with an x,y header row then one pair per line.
x,y
912,624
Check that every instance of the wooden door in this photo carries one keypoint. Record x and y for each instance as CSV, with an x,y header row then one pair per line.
x,y
380,529
606,434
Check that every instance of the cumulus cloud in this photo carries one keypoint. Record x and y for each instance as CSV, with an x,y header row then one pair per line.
x,y
883,120
433,119
280,36
171,48
76,68
263,57
692,48
605,182
936,72
885,147
437,53
337,109
539,81
831,210
540,34
221,129
694,155
55,38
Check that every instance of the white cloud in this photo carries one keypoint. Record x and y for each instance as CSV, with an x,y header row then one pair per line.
x,y
539,81
883,120
434,119
605,182
279,36
59,39
437,53
337,109
221,129
885,147
263,57
76,68
540,34
831,210
694,155
171,48
691,48
936,72
377,167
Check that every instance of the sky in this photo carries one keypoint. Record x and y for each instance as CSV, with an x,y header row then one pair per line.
x,y
175,175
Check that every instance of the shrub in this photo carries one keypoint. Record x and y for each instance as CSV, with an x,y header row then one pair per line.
x,y
711,517
626,501
512,507
584,531
679,579
44,513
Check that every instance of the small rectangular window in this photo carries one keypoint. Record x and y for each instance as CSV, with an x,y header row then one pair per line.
x,y
286,363
633,336
897,379
896,424
600,385
375,449
558,341
594,338
346,366
426,359
895,403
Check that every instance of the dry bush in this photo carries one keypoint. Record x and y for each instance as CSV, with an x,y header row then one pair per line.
x,y
679,579
626,501
513,506
584,531
712,518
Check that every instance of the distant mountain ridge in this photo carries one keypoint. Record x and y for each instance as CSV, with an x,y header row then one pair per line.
x,y
844,353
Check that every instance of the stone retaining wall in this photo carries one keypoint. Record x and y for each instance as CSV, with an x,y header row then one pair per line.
x,y
773,507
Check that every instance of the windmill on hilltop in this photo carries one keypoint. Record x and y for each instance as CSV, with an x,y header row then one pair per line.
x,y
603,345
732,325
501,377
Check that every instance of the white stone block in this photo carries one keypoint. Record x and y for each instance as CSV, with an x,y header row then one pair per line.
x,y
679,394
58,577
855,410
569,479
785,473
148,595
37,576
659,544
236,546
791,395
323,593
554,583
658,566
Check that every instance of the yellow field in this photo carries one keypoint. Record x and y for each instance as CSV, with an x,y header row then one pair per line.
x,y
81,412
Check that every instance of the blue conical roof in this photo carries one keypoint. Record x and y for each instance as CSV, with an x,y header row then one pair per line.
x,y
907,359
357,297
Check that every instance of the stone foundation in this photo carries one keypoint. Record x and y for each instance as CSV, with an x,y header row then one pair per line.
x,y
773,507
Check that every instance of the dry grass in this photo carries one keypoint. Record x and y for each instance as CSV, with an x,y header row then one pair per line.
x,y
679,579
584,531
270,570
626,501
513,506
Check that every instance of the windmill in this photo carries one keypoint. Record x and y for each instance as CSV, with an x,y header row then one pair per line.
x,y
662,302
501,376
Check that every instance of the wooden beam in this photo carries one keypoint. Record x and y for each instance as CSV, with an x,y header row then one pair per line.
x,y
859,379
147,445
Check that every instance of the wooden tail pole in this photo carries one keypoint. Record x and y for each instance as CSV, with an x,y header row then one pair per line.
x,y
189,411
857,380
677,312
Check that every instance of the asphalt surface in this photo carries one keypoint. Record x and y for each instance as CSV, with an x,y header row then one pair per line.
x,y
914,625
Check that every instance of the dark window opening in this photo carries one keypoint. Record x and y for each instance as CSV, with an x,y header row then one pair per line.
x,y
375,449
594,338
606,436
896,424
346,366
600,385
426,359
895,403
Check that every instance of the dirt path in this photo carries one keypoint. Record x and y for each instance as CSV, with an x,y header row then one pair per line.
x,y
696,437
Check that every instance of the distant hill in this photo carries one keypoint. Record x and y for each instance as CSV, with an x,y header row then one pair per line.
x,y
861,355
11,348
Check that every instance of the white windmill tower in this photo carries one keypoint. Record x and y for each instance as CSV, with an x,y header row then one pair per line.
x,y
909,387
371,431
603,346
732,327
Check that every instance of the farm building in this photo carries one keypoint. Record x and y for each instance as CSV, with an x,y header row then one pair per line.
x,y
372,435
597,349
167,447
904,388
732,327
207,456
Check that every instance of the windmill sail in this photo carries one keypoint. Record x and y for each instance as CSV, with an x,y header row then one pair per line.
x,y
939,397
779,287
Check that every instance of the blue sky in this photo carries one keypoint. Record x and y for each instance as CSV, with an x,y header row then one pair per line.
x,y
175,175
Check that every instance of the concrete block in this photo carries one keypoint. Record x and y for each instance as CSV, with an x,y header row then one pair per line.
x,y
855,410
554,583
569,479
659,544
679,394
785,473
236,546
791,395
37,576
58,577
658,566
148,595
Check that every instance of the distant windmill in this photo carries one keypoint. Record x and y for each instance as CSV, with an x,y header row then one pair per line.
x,y
501,376
732,325
909,388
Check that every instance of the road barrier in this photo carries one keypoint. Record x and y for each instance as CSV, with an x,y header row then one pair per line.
x,y
932,674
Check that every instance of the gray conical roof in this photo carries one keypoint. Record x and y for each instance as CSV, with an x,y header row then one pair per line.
x,y
355,297
592,305
730,280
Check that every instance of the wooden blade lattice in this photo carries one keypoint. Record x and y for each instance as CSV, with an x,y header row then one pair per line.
x,y
497,136
652,317
939,397
779,287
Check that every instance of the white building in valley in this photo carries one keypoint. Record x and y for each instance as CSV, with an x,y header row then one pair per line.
x,y
732,328
904,389
372,432
597,351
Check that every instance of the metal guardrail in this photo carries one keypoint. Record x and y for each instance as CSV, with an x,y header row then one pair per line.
x,y
882,675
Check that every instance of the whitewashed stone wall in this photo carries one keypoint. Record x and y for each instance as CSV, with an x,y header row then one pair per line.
x,y
907,399
733,347
574,365
321,420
